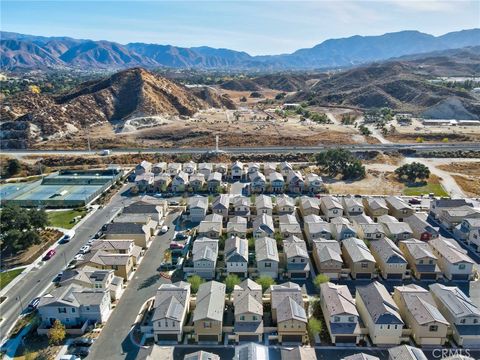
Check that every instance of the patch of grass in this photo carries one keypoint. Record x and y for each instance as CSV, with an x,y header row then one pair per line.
x,y
434,188
7,276
64,219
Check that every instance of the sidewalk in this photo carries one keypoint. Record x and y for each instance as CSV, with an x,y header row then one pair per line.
x,y
38,261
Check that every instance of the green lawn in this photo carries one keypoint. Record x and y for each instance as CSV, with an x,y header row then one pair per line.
x,y
64,219
7,276
437,189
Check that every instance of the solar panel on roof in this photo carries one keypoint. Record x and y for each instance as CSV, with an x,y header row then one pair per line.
x,y
270,250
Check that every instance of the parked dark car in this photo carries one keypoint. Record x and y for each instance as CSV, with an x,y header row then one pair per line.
x,y
414,201
83,341
33,304
181,236
49,254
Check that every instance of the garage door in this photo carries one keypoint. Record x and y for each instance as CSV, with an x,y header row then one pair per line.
x,y
460,277
297,275
292,338
249,338
364,276
428,276
169,337
394,276
207,338
345,339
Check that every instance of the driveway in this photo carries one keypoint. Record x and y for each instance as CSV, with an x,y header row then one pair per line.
x,y
114,341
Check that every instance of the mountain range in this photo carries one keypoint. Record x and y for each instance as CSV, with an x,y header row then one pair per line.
x,y
25,52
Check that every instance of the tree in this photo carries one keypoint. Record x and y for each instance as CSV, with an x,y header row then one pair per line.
x,y
57,333
243,99
364,130
230,281
341,161
38,218
314,326
13,167
195,282
265,282
413,172
320,279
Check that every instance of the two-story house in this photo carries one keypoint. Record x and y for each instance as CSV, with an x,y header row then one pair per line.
x,y
196,182
331,207
389,258
358,258
421,229
241,206
375,207
220,205
276,182
263,226
340,313
211,226
74,306
296,258
309,206
342,229
453,260
316,228
180,182
398,208
288,226
214,182
285,205
237,171
205,254
236,256
421,259
328,257
143,167
313,183
258,182
266,256
208,313
263,205
352,206
237,226
170,309
469,230
421,315
379,313
197,208
295,182
247,301
461,313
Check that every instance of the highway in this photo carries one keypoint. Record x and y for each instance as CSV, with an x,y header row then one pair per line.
x,y
40,279
261,149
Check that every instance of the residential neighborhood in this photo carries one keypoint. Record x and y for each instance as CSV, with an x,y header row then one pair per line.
x,y
261,267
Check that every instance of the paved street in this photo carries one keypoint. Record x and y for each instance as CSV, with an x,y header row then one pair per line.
x,y
114,341
265,149
38,280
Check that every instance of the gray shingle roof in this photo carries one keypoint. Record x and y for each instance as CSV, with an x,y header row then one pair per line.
x,y
357,250
397,203
420,304
360,356
200,355
328,250
290,309
388,251
263,202
450,250
124,228
406,352
210,301
338,299
418,249
198,201
379,304
73,295
293,246
170,301
236,249
222,201
455,301
205,248
298,353
251,351
266,249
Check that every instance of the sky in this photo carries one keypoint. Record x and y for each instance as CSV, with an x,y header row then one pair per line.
x,y
257,27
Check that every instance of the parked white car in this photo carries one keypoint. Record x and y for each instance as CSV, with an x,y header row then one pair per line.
x,y
85,249
78,257
164,229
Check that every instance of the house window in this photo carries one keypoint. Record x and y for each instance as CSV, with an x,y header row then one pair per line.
x,y
166,323
62,310
364,265
336,319
431,262
87,308
420,262
242,317
369,235
475,321
302,260
254,317
378,236
293,260
268,265
461,267
433,328
462,321
351,319
207,324
73,310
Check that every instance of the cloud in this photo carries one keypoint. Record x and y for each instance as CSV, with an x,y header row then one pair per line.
x,y
427,5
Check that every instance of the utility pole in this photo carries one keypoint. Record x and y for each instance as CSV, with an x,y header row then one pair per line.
x,y
216,143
